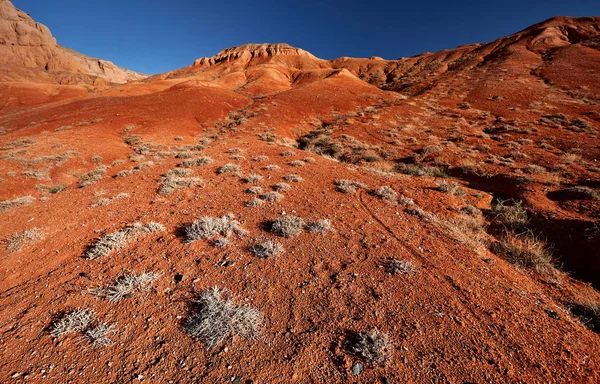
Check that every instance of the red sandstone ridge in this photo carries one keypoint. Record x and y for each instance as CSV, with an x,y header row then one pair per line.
x,y
29,52
426,219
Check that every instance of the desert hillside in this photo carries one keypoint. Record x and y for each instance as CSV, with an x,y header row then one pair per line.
x,y
267,216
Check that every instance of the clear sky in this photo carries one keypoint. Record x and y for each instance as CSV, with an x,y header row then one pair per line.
x,y
154,36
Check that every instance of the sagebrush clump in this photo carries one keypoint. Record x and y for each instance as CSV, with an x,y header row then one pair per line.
x,y
348,186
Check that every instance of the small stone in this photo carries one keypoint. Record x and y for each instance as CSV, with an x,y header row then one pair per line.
x,y
357,369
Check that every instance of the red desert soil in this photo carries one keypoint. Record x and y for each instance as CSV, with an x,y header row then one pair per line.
x,y
450,133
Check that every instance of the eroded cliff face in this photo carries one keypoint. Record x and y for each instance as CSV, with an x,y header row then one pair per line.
x,y
25,43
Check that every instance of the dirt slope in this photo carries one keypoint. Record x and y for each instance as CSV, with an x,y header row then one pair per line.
x,y
452,156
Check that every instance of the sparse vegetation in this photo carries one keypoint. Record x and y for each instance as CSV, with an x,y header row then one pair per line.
x,y
92,177
292,178
255,190
525,250
373,347
209,227
253,178
267,249
280,187
204,160
18,202
348,186
100,334
402,267
288,226
386,193
319,226
254,203
16,242
271,167
177,178
272,196
215,318
451,188
116,240
75,321
513,216
297,163
228,168
126,285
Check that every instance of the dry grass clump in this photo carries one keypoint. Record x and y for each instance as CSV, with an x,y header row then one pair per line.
x,y
177,178
451,188
373,347
256,190
261,158
288,153
319,226
386,193
271,167
228,168
204,160
253,178
19,201
208,227
348,186
215,318
126,285
466,229
123,173
18,144
75,321
272,196
309,160
254,203
105,245
92,177
280,187
39,174
140,167
580,192
400,267
288,226
100,334
221,242
525,250
234,150
588,312
513,216
297,163
292,178
421,170
267,249
534,169
16,242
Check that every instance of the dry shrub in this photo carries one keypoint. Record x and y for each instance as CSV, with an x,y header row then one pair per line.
x,y
386,193
288,226
19,201
215,318
116,240
267,249
373,347
126,285
16,242
451,188
348,186
208,227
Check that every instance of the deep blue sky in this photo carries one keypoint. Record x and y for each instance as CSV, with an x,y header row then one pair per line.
x,y
154,36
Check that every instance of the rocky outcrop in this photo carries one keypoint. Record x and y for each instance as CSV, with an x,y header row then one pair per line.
x,y
27,43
